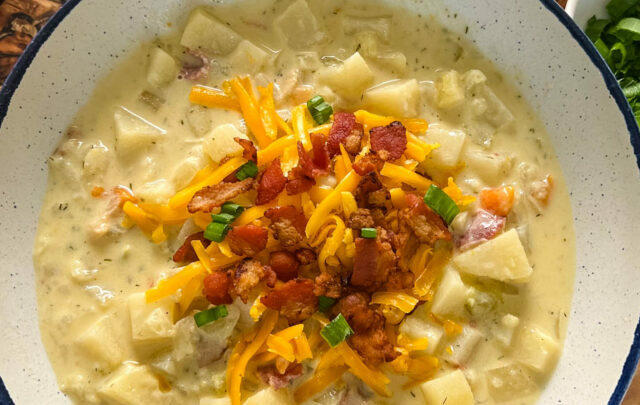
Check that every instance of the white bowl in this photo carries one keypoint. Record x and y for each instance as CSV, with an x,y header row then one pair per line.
x,y
534,42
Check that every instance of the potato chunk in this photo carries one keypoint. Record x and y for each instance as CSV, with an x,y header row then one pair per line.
x,y
134,133
399,98
502,258
510,382
450,389
219,143
451,142
299,26
535,349
351,78
162,68
418,327
462,346
215,401
451,295
269,396
104,340
133,385
151,324
248,58
450,90
205,32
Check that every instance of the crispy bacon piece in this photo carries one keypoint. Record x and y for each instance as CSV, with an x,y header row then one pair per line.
x,y
368,184
329,285
305,256
248,275
294,299
249,149
247,240
198,67
484,226
271,183
423,221
301,177
270,375
345,130
374,260
285,264
320,154
210,197
367,164
361,218
185,253
389,142
216,288
369,339
288,224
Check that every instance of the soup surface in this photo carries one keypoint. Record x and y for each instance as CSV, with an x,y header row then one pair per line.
x,y
406,238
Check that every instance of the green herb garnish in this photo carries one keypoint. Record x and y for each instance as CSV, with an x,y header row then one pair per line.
x,y
212,314
216,231
249,169
337,331
441,203
223,218
324,303
232,209
319,109
369,233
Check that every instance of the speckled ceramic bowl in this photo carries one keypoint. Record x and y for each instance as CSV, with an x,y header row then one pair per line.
x,y
537,45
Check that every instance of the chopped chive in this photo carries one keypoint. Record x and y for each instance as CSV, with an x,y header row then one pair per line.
x,y
216,231
319,109
337,331
249,169
232,209
212,314
223,218
369,233
441,203
324,303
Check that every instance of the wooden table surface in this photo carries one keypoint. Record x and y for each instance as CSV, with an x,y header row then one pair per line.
x,y
21,19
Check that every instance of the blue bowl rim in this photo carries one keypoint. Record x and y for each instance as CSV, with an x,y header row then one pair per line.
x,y
15,77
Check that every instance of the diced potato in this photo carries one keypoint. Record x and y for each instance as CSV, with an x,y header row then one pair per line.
x,y
151,324
204,31
156,192
462,346
497,113
219,143
215,401
200,119
96,162
378,25
351,78
398,98
162,68
104,339
451,294
451,142
479,385
269,396
450,389
368,44
503,332
417,327
309,61
473,78
450,91
185,171
134,133
396,61
510,382
299,26
247,57
133,385
502,258
535,349
491,167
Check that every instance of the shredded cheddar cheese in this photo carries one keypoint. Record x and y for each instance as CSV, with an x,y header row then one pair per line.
x,y
406,176
331,202
403,301
171,285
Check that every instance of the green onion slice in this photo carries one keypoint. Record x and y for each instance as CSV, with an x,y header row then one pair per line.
x,y
216,231
249,169
319,109
324,303
337,331
441,203
223,218
369,233
212,314
232,209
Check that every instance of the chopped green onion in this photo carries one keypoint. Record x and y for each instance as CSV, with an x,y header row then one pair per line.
x,y
216,231
324,303
369,233
212,314
223,218
441,203
249,169
337,331
617,8
232,209
319,109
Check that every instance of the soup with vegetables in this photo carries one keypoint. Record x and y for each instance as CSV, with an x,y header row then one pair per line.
x,y
318,203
